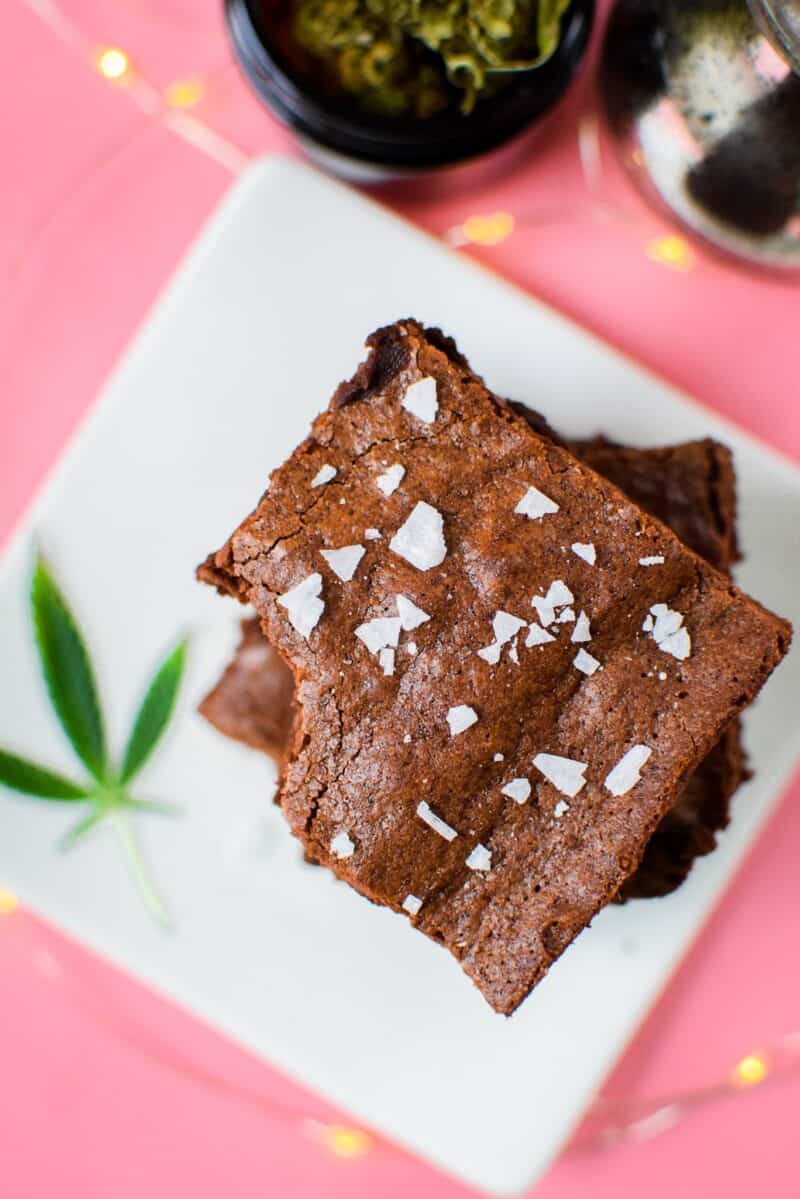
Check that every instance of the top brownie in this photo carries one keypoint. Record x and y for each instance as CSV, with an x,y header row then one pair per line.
x,y
505,670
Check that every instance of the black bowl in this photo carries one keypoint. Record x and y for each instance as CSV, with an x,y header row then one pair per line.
x,y
401,145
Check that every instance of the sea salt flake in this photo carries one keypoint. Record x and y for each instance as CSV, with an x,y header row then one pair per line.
x,y
407,739
426,813
561,808
386,659
518,789
565,774
412,648
411,904
662,674
411,617
381,633
566,616
344,562
480,859
582,630
391,479
303,604
546,612
491,653
668,632
342,846
506,626
627,772
324,475
499,757
421,539
538,636
461,718
585,663
559,594
585,551
420,399
513,654
535,504
372,534
652,560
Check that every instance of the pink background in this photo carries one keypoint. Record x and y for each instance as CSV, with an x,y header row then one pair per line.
x,y
98,203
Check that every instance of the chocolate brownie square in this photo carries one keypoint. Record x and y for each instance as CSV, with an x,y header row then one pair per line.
x,y
505,671
692,488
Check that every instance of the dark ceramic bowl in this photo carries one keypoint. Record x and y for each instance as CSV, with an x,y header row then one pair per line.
x,y
365,146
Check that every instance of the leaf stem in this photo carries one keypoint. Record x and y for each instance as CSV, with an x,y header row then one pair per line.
x,y
141,875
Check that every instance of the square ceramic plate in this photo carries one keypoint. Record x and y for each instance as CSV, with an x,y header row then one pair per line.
x,y
245,347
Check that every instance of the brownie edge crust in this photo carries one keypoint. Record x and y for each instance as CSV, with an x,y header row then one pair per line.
x,y
500,790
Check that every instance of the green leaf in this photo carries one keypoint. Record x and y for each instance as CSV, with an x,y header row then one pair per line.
x,y
26,777
154,714
82,828
68,672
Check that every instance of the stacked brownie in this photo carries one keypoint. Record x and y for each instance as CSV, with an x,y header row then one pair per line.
x,y
502,690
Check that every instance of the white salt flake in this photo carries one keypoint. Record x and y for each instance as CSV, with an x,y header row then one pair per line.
x,y
559,594
407,739
386,659
535,504
344,562
411,617
480,859
324,475
461,718
561,808
582,630
391,479
372,534
513,654
627,772
381,633
652,560
585,551
668,632
499,757
412,648
303,604
421,539
585,663
565,774
491,653
662,674
342,846
411,904
566,616
506,626
518,789
425,812
538,636
420,399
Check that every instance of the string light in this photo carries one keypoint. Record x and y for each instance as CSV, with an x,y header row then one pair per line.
x,y
8,902
673,251
185,93
750,1071
342,1140
113,63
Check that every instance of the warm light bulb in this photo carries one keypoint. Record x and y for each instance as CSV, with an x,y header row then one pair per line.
x,y
185,93
673,251
8,902
113,63
488,230
751,1070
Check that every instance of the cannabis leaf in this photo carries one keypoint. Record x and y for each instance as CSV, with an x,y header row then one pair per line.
x,y
67,670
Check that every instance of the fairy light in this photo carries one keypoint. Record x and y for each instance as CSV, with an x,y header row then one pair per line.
x,y
113,63
342,1140
673,251
185,93
750,1071
488,230
8,902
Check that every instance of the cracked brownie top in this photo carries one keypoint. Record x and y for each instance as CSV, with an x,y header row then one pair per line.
x,y
505,670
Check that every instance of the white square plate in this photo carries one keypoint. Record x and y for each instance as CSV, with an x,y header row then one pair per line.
x,y
245,347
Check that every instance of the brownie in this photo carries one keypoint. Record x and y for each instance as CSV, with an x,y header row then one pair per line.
x,y
692,488
253,702
495,775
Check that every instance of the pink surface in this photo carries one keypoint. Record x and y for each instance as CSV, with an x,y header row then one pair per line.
x,y
110,1092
